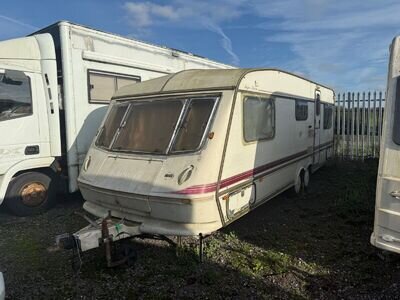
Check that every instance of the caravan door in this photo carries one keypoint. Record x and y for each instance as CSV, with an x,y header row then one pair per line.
x,y
317,127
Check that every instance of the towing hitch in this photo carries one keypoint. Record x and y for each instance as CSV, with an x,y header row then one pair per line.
x,y
103,232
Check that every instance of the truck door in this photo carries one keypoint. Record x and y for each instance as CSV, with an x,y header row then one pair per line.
x,y
317,126
19,118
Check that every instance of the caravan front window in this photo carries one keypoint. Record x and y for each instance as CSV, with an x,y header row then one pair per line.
x,y
111,125
157,126
149,127
194,124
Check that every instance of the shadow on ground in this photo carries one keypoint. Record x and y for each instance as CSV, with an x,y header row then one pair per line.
x,y
328,229
313,246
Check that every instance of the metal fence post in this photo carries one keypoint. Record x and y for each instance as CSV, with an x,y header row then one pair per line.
x,y
363,127
368,124
337,139
348,123
358,125
343,125
374,128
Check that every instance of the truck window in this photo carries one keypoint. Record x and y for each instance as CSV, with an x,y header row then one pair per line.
x,y
111,125
149,127
328,114
103,85
301,110
259,118
15,95
194,124
122,81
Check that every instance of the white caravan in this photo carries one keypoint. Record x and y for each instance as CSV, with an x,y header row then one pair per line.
x,y
188,153
55,87
386,234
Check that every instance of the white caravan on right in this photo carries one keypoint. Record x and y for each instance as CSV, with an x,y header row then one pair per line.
x,y
386,234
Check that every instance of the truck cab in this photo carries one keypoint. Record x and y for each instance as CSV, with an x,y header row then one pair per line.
x,y
29,123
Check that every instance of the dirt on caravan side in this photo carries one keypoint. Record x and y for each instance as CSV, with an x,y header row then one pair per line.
x,y
310,246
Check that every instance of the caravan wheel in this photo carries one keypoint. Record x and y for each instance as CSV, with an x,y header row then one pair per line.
x,y
299,183
306,178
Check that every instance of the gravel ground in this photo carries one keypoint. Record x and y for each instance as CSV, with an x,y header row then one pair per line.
x,y
314,246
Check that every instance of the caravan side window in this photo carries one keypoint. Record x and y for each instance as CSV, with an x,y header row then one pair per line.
x,y
102,85
301,110
328,114
258,118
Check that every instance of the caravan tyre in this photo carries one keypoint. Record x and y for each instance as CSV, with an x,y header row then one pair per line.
x,y
31,193
306,178
299,183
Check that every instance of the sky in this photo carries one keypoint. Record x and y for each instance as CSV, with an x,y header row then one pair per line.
x,y
342,44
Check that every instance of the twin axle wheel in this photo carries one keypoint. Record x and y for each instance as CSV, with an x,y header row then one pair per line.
x,y
31,193
302,181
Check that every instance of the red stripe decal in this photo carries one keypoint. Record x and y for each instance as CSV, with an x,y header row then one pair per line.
x,y
212,187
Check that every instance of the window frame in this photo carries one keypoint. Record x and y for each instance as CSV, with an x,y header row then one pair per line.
x,y
295,109
206,129
186,99
273,100
30,94
318,105
330,106
107,73
117,129
127,113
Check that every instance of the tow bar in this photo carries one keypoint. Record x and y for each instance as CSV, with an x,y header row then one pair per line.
x,y
104,232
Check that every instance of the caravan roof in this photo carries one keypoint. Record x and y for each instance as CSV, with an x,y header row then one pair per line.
x,y
195,80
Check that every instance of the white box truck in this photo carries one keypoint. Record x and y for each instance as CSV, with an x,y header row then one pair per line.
x,y
54,89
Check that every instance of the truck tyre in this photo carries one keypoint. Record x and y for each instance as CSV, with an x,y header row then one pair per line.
x,y
31,193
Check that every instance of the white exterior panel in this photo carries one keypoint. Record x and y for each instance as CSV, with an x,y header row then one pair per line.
x,y
386,234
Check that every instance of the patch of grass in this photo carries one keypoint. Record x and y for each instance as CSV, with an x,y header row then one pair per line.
x,y
229,249
27,248
355,201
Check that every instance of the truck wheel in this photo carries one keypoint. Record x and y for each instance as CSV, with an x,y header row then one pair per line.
x,y
31,193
